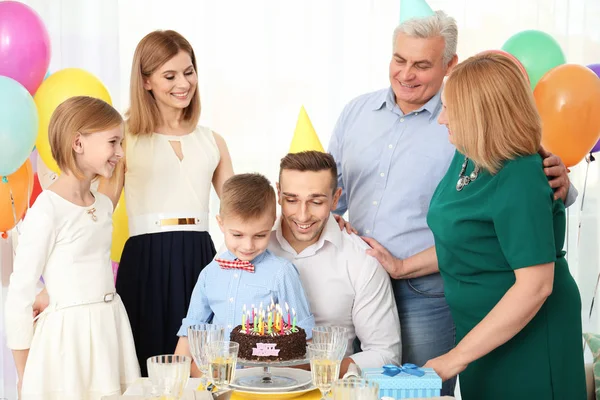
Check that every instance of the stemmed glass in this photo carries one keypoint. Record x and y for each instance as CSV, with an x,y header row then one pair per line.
x,y
169,374
355,389
222,360
325,362
199,338
334,335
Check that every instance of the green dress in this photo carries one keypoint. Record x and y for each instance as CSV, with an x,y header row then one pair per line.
x,y
493,226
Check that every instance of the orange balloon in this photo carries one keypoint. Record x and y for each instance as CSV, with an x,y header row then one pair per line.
x,y
568,101
20,184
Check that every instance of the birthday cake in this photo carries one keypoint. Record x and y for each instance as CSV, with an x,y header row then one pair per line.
x,y
269,339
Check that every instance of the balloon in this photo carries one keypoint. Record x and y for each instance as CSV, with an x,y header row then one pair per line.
x,y
18,125
45,175
568,101
513,58
537,51
36,189
59,87
595,68
596,148
115,268
120,229
19,185
24,45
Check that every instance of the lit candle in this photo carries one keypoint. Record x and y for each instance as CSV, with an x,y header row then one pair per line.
x,y
248,322
272,303
281,327
278,316
254,319
253,309
260,320
270,322
243,330
294,320
244,315
287,310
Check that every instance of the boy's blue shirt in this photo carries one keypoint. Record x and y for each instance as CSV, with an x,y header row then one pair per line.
x,y
220,294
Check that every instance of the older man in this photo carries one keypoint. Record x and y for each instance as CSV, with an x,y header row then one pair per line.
x,y
391,153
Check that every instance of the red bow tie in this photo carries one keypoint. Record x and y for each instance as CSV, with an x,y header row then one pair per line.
x,y
235,264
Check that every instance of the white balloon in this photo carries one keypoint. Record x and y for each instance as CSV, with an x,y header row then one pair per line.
x,y
47,176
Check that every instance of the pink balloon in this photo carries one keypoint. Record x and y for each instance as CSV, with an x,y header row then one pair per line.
x,y
33,158
24,45
115,268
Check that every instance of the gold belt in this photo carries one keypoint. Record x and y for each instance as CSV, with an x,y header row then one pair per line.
x,y
178,221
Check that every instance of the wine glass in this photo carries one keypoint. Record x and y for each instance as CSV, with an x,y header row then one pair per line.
x,y
199,337
222,360
169,374
355,389
334,335
325,362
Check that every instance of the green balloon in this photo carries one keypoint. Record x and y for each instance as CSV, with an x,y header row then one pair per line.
x,y
537,51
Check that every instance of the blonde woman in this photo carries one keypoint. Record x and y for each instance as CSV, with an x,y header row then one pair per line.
x,y
498,240
81,347
170,164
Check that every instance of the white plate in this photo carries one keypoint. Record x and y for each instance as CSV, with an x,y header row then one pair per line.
x,y
248,395
303,378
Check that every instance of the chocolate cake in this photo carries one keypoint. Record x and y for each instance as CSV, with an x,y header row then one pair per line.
x,y
284,345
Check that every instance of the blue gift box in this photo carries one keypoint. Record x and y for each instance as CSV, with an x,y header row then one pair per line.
x,y
405,382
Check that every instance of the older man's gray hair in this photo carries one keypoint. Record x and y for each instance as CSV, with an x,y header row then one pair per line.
x,y
438,24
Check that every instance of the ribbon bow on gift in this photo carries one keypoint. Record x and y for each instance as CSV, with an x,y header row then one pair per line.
x,y
411,369
235,264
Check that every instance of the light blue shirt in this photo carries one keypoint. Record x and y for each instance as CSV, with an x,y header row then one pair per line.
x,y
220,294
389,165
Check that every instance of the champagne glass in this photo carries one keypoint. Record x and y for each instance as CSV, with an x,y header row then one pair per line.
x,y
222,360
355,389
169,374
325,362
333,335
199,337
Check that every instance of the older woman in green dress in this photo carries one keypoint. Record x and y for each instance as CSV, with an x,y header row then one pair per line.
x,y
499,236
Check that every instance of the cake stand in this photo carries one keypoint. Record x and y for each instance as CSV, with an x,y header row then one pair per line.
x,y
269,380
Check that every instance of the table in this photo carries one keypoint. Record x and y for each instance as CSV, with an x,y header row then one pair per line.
x,y
135,392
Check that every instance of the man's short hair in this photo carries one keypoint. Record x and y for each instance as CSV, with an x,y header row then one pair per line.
x,y
314,161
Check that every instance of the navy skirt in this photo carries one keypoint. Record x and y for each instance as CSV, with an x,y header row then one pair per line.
x,y
155,280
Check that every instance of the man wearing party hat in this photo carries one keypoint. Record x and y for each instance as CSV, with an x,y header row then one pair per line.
x,y
387,186
345,286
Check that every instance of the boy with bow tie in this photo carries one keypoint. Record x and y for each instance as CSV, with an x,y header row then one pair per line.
x,y
247,273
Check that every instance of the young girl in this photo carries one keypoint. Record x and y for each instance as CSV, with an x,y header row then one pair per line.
x,y
170,163
81,346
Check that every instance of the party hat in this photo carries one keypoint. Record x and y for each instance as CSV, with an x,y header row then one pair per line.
x,y
410,9
305,138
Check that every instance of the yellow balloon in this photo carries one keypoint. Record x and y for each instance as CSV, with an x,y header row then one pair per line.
x,y
57,88
120,229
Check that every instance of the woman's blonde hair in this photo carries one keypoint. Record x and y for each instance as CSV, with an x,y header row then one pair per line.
x,y
492,111
78,115
152,52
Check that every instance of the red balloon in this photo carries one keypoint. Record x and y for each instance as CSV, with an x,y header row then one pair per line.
x,y
513,58
37,189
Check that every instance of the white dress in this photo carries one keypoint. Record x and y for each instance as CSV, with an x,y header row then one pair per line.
x,y
81,346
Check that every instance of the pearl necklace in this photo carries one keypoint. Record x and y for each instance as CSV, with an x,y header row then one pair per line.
x,y
465,180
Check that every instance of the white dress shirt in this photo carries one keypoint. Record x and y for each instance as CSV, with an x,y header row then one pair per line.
x,y
348,288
